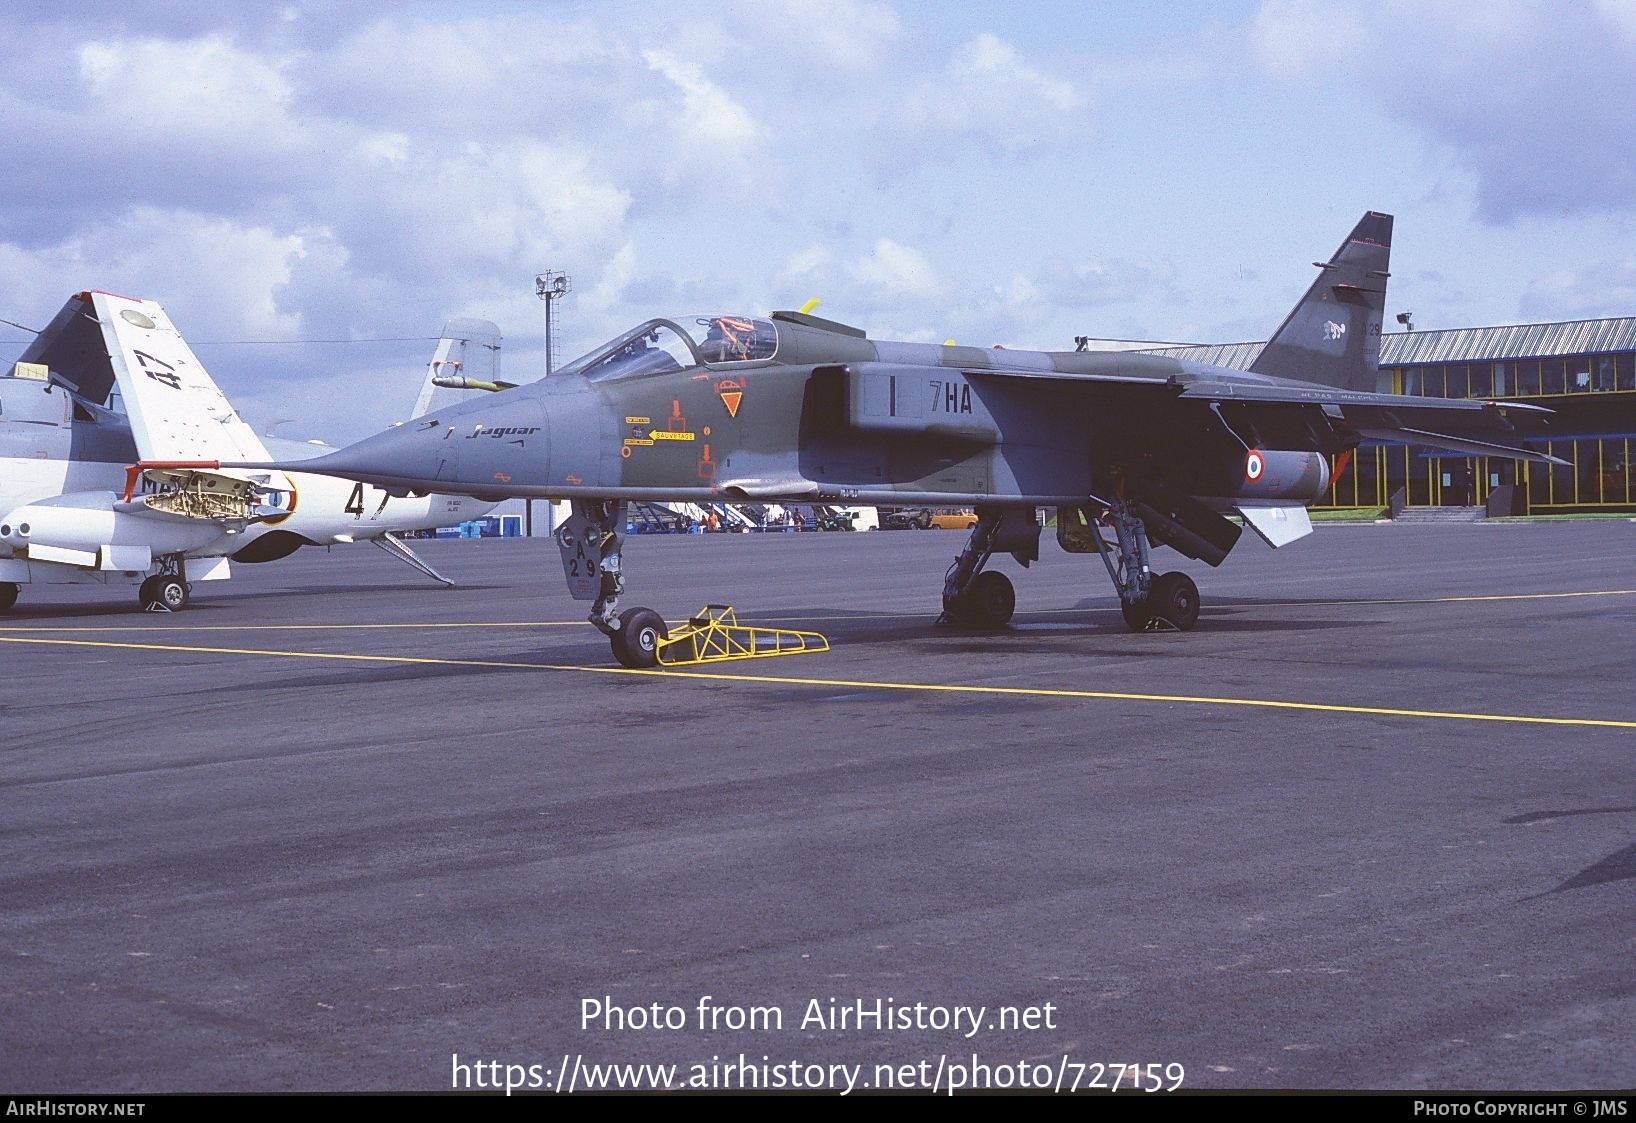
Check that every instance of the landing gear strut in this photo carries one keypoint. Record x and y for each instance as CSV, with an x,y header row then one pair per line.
x,y
591,541
984,600
1148,603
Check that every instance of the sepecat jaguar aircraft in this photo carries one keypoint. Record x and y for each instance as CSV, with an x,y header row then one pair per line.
x,y
1133,450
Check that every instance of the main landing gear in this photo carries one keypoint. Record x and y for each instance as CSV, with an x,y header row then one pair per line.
x,y
983,600
591,541
1147,602
167,590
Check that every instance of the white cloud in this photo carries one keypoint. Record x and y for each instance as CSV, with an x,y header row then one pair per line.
x,y
850,34
989,94
1599,289
895,271
477,76
708,116
1620,14
226,274
1532,99
609,290
205,85
1297,38
812,265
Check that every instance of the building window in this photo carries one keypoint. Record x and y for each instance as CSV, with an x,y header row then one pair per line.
x,y
1481,383
1460,381
1553,376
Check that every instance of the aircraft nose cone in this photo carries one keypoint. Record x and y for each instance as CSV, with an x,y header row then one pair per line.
x,y
405,455
463,450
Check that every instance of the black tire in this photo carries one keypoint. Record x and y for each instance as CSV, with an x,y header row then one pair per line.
x,y
1174,598
8,595
636,643
166,591
992,599
987,605
1136,615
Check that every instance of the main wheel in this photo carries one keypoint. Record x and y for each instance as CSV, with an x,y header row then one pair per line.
x,y
636,643
1136,615
8,595
169,592
987,605
173,594
1175,599
991,600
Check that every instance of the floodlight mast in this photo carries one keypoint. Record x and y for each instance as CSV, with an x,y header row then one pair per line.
x,y
550,287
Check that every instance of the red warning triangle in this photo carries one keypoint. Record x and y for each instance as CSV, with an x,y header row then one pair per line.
x,y
731,399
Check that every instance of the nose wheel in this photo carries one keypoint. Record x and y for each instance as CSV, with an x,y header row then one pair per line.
x,y
636,641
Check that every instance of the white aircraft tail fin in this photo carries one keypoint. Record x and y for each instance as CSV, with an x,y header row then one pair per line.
x,y
468,349
176,410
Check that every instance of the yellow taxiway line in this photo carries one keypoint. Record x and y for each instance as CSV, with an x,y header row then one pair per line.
x,y
852,684
136,627
144,627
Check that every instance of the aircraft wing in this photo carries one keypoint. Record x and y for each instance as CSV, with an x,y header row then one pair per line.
x,y
176,410
1452,424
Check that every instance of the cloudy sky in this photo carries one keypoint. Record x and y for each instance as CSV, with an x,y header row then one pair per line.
x,y
1018,173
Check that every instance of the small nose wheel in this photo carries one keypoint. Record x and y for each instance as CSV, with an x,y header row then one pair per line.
x,y
636,641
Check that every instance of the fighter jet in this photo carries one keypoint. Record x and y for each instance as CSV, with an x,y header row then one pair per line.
x,y
1134,451
111,379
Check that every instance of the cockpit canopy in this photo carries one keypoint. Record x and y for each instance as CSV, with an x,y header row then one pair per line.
x,y
677,344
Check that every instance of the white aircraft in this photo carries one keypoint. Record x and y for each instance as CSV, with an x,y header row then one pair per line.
x,y
110,382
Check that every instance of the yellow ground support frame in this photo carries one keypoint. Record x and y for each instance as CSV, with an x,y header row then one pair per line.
x,y
715,634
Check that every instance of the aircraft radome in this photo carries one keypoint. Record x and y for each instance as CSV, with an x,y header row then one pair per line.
x,y
793,408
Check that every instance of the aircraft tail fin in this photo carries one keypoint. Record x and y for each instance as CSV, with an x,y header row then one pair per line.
x,y
468,351
176,410
1332,337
